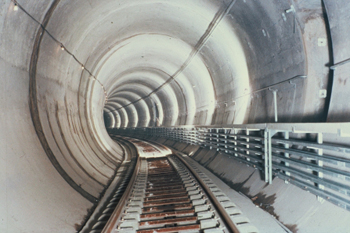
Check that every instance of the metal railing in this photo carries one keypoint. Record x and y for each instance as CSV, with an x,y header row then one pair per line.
x,y
314,157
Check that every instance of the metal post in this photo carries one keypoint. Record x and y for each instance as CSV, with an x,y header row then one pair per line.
x,y
286,136
210,139
225,131
247,146
274,92
266,156
269,134
217,140
235,143
320,163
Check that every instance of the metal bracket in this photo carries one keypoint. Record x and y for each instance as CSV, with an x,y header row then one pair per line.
x,y
291,9
333,67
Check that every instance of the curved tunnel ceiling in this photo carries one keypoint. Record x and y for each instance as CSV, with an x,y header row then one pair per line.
x,y
169,61
97,64
140,64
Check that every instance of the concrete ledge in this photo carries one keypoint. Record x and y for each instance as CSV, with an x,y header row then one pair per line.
x,y
296,209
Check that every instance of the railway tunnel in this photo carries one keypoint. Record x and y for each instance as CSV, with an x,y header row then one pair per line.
x,y
256,92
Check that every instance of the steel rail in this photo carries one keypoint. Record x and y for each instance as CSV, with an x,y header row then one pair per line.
x,y
311,155
112,222
339,201
223,214
172,202
98,217
326,146
326,182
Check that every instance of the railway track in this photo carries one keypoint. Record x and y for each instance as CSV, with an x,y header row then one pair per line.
x,y
169,194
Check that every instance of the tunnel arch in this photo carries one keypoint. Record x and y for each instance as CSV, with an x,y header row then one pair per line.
x,y
195,76
192,62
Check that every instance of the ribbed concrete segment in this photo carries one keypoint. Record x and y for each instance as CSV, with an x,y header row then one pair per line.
x,y
69,69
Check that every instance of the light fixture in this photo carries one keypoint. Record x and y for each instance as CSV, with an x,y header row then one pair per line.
x,y
15,8
82,67
62,47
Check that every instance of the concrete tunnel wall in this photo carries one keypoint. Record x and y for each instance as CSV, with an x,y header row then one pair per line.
x,y
145,64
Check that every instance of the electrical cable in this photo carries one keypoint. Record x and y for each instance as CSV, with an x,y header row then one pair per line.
x,y
63,48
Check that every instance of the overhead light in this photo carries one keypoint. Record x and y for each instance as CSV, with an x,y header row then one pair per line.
x,y
82,67
62,47
15,8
